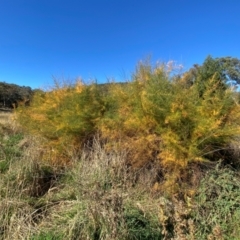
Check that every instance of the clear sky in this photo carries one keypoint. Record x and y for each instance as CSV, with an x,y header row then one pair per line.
x,y
100,39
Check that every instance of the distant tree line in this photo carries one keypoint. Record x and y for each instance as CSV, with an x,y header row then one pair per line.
x,y
12,95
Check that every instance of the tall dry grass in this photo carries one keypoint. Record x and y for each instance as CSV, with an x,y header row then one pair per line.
x,y
101,197
5,117
97,198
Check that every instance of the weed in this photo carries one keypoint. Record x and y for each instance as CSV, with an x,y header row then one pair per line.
x,y
217,205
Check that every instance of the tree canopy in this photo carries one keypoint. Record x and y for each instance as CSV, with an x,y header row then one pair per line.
x,y
225,69
11,94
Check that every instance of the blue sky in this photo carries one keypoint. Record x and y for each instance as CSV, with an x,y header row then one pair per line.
x,y
101,39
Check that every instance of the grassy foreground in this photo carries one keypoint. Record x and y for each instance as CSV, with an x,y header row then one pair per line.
x,y
100,197
154,158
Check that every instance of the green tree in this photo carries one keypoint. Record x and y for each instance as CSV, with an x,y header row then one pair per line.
x,y
230,68
226,69
12,94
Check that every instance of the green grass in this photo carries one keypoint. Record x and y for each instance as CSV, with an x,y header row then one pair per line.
x,y
217,211
9,150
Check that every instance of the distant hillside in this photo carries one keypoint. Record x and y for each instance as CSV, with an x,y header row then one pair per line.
x,y
11,95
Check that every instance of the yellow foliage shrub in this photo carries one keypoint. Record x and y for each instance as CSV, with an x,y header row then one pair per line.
x,y
152,117
65,117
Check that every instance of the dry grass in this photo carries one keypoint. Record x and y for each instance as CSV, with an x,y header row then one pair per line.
x,y
98,197
5,117
8,123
